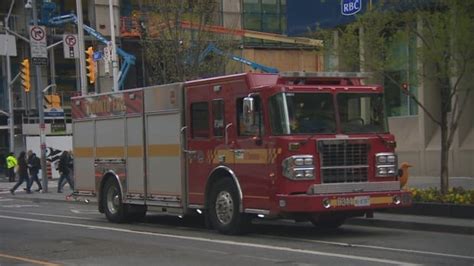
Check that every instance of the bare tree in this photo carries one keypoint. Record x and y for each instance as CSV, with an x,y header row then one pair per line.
x,y
445,34
172,50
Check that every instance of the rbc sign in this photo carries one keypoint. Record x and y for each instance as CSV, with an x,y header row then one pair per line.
x,y
350,7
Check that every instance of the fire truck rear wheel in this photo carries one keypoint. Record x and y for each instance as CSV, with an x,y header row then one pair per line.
x,y
223,211
115,210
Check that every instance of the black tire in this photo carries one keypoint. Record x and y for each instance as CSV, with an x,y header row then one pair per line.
x,y
327,221
114,209
224,214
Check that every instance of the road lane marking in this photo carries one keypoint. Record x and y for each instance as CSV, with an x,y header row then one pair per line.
x,y
51,215
39,262
217,241
19,206
342,244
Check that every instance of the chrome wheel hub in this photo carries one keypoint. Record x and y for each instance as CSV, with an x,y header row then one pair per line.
x,y
224,207
113,200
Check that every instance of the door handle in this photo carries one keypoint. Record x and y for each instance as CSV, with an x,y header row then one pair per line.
x,y
239,154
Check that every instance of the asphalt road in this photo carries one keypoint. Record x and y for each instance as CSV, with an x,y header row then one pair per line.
x,y
64,233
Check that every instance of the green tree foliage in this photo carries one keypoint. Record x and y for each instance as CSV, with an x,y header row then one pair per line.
x,y
443,31
172,51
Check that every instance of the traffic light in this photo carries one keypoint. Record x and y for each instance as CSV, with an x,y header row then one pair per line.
x,y
25,75
90,64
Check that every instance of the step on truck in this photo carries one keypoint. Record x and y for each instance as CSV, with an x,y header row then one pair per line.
x,y
303,146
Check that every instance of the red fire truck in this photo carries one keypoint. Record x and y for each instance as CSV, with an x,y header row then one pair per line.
x,y
312,146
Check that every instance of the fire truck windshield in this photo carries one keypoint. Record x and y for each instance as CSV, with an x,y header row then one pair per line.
x,y
314,113
302,113
362,113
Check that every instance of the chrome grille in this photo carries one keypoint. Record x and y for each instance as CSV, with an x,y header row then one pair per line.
x,y
343,160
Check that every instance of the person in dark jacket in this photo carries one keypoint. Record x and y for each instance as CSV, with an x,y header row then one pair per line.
x,y
64,168
34,165
22,173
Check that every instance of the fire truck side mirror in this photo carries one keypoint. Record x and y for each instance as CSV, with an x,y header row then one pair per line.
x,y
248,111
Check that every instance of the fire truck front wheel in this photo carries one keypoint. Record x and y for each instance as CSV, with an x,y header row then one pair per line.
x,y
223,211
115,210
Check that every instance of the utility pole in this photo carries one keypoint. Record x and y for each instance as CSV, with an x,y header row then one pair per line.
x,y
39,105
11,117
80,36
115,65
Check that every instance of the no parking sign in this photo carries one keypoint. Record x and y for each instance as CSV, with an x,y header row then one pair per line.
x,y
70,45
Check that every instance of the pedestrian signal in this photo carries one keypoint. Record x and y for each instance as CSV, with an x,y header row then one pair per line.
x,y
25,75
90,64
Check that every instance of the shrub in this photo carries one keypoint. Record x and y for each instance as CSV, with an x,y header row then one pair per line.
x,y
457,195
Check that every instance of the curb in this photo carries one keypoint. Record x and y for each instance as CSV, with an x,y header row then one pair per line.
x,y
418,226
463,211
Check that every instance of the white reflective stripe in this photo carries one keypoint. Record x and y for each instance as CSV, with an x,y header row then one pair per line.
x,y
354,187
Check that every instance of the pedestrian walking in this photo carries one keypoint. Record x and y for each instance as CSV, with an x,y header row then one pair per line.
x,y
34,165
64,167
22,174
11,164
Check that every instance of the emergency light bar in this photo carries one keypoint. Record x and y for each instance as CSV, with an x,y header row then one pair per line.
x,y
303,74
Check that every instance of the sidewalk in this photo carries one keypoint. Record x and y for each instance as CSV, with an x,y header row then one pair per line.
x,y
381,219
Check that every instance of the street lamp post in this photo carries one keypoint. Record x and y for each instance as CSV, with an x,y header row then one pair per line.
x,y
11,117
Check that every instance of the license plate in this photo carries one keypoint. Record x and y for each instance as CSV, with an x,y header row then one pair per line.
x,y
362,201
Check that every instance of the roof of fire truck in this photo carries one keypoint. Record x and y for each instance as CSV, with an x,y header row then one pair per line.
x,y
337,80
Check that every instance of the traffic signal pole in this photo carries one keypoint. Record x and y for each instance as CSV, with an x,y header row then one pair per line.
x,y
80,35
11,117
39,105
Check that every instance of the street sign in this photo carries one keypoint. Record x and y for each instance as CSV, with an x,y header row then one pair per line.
x,y
97,56
7,45
52,113
71,46
39,51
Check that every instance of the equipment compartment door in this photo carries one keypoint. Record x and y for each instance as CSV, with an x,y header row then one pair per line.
x,y
164,171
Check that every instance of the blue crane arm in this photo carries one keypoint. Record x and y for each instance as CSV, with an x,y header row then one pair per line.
x,y
128,59
212,48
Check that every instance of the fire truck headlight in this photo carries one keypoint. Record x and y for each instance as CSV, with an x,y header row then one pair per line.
x,y
386,164
298,167
391,159
381,159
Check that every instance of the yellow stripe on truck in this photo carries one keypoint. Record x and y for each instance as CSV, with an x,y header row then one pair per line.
x,y
110,152
83,152
135,151
167,150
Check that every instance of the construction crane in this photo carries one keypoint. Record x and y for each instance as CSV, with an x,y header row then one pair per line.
x,y
46,19
211,48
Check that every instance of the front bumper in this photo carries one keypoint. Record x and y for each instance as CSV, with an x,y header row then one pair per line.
x,y
343,201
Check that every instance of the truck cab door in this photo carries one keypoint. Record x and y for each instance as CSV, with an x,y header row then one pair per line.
x,y
252,154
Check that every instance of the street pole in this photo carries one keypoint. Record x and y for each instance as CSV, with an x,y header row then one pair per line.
x,y
80,36
115,65
39,105
11,117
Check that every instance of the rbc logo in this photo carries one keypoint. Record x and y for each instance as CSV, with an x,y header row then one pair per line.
x,y
350,7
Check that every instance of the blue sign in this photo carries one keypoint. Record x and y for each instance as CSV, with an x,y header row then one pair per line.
x,y
350,7
97,56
